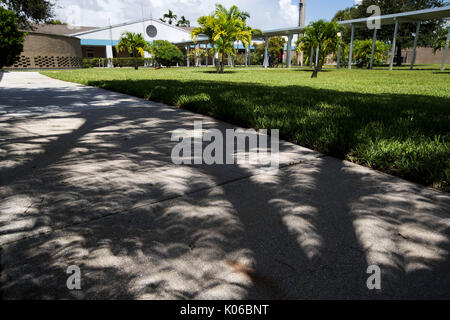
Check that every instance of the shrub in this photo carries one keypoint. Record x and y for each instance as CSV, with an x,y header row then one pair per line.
x,y
197,56
128,62
256,59
117,62
134,44
86,63
363,52
94,62
239,59
345,51
11,39
276,45
165,53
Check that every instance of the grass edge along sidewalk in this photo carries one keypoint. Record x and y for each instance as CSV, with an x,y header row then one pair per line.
x,y
396,122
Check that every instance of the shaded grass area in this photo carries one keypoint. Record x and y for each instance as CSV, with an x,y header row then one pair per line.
x,y
396,122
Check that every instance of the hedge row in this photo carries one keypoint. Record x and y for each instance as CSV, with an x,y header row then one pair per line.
x,y
117,62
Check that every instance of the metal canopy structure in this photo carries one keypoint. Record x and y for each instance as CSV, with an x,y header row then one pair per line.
x,y
188,44
395,19
200,40
283,31
411,16
392,19
203,42
418,17
288,32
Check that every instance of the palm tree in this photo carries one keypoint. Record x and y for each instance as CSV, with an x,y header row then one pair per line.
x,y
207,25
440,40
134,44
223,28
231,27
322,35
169,16
183,22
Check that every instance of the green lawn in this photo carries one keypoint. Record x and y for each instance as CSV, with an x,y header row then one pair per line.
x,y
397,122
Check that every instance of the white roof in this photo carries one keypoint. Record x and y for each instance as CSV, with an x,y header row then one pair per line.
x,y
127,24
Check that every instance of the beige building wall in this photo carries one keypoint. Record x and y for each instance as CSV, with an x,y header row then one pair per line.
x,y
425,56
50,51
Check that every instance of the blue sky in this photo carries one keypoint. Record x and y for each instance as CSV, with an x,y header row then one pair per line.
x,y
265,14
325,9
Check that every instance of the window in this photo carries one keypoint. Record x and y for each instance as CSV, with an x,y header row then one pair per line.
x,y
90,52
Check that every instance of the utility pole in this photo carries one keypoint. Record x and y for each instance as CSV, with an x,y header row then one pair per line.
x,y
302,13
301,23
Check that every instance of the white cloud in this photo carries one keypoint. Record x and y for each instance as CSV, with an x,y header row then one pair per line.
x,y
265,14
289,11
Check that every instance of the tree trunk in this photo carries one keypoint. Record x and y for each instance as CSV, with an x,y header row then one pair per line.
x,y
399,55
316,71
217,64
222,67
135,61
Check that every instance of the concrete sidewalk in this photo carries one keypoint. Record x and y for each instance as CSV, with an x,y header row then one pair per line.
x,y
86,179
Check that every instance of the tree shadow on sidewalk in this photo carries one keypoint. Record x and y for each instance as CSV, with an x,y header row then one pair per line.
x,y
99,184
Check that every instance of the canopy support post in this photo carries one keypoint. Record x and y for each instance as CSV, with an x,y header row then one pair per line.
x,y
246,56
416,39
266,53
188,61
338,63
317,56
391,65
444,58
350,58
289,51
374,44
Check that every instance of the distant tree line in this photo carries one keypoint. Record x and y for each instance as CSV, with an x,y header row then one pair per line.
x,y
28,12
17,15
172,18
